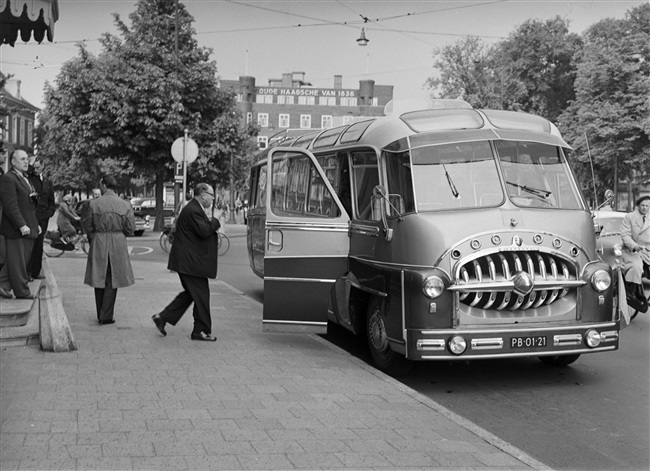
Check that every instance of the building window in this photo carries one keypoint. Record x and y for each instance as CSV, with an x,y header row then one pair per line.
x,y
306,100
239,98
305,121
347,101
22,134
249,117
14,130
326,121
374,101
264,99
263,119
30,133
327,101
285,99
262,142
283,121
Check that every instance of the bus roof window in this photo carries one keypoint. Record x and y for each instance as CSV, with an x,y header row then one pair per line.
x,y
442,120
520,121
328,138
354,132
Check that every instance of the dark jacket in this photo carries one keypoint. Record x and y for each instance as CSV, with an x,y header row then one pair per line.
x,y
17,208
195,247
46,204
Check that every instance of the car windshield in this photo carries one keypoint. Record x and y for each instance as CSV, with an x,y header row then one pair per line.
x,y
610,225
465,175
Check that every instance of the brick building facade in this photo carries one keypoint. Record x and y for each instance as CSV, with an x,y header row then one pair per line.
x,y
292,106
18,117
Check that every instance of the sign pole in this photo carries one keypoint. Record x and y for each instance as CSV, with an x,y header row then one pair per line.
x,y
185,139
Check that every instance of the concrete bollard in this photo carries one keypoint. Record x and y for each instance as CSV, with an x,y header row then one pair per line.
x,y
55,332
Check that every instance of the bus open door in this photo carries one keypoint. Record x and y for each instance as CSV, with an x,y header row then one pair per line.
x,y
306,242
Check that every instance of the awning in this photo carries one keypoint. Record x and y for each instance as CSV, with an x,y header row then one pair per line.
x,y
26,16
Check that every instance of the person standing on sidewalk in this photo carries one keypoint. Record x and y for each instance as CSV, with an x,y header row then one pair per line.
x,y
107,221
19,226
194,257
45,209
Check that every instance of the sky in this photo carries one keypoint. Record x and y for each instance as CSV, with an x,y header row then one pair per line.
x,y
266,38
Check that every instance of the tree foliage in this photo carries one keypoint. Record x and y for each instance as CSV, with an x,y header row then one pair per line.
x,y
595,85
120,111
610,116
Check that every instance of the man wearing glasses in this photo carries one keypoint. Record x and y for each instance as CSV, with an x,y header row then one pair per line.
x,y
194,257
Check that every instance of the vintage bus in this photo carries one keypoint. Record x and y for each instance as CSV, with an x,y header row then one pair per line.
x,y
445,233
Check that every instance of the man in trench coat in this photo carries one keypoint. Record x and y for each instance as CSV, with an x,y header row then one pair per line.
x,y
108,220
194,257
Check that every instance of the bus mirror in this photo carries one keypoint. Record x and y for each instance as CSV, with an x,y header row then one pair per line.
x,y
379,195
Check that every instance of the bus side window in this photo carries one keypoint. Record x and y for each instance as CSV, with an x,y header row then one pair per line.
x,y
400,183
366,176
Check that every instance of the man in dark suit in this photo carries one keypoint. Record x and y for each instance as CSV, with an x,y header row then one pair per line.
x,y
19,226
44,211
194,257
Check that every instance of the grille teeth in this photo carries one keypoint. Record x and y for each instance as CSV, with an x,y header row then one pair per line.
x,y
499,268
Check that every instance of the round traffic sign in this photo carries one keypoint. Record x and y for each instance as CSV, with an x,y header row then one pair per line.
x,y
191,150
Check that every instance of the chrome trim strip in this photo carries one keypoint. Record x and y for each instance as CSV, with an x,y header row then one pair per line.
x,y
509,285
366,289
513,355
487,344
305,280
517,330
430,344
403,302
269,321
568,339
304,228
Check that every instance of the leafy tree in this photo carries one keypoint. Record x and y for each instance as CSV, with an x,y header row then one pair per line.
x,y
532,70
612,104
122,110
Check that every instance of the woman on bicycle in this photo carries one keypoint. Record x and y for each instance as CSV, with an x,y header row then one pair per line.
x,y
66,216
635,232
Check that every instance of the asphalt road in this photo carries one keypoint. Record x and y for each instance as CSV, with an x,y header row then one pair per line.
x,y
592,415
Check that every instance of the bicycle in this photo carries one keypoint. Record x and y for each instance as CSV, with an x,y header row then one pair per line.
x,y
58,246
167,239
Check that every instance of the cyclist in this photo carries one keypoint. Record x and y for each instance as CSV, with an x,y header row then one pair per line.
x,y
635,232
67,220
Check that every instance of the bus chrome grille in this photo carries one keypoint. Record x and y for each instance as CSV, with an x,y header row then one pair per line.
x,y
492,281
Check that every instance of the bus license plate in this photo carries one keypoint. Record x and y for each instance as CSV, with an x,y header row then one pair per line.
x,y
537,341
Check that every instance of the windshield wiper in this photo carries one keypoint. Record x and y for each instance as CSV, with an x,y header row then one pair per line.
x,y
452,187
533,191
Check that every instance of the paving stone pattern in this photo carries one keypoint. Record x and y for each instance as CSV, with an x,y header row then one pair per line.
x,y
130,399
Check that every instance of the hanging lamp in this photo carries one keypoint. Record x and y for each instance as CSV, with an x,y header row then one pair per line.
x,y
363,41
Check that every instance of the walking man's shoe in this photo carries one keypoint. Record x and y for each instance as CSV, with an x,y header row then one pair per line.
x,y
160,324
203,336
106,321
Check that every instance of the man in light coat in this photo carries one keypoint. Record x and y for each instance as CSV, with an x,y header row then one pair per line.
x,y
194,257
108,220
635,232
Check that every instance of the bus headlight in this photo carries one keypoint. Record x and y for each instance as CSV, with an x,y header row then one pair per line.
x,y
457,345
601,281
593,338
433,286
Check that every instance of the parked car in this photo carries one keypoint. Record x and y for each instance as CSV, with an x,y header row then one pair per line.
x,y
608,235
142,222
147,206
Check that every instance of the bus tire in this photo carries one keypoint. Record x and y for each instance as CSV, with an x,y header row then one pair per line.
x,y
382,355
559,360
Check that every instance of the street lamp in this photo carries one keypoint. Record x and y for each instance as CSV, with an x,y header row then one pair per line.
x,y
363,41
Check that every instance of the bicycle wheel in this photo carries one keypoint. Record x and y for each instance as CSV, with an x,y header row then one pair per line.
x,y
166,239
224,243
50,251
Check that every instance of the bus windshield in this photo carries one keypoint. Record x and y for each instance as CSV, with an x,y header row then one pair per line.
x,y
465,175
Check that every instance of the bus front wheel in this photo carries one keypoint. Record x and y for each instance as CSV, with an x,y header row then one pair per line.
x,y
382,354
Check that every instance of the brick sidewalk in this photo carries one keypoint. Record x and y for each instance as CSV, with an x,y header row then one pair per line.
x,y
132,399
